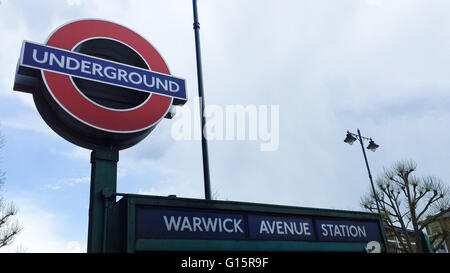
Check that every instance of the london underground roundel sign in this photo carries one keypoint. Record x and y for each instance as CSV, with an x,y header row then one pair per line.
x,y
99,83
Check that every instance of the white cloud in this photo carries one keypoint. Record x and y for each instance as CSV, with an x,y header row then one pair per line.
x,y
73,2
78,153
27,121
374,2
121,172
68,182
53,186
153,191
41,231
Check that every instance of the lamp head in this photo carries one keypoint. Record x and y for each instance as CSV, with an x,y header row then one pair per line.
x,y
372,146
349,138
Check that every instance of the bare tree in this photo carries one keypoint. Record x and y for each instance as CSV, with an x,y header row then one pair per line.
x,y
8,225
408,202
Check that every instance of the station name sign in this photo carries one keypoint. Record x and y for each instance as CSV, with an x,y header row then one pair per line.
x,y
75,64
206,224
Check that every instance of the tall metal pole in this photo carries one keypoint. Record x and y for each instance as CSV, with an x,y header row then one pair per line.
x,y
368,170
202,103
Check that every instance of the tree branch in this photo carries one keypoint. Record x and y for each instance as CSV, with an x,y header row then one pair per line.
x,y
430,201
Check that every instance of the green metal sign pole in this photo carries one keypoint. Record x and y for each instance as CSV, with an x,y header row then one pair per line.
x,y
103,185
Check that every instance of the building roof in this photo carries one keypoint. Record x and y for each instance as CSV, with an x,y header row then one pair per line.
x,y
445,215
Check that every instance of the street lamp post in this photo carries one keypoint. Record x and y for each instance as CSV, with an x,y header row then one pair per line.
x,y
206,178
372,146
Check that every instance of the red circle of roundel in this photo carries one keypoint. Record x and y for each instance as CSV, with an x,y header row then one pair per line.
x,y
73,102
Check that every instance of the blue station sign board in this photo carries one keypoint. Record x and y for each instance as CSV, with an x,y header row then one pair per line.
x,y
200,224
156,223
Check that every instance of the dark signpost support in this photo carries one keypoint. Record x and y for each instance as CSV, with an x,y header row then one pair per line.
x,y
103,87
103,186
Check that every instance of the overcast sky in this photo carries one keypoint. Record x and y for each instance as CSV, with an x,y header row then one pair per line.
x,y
331,66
